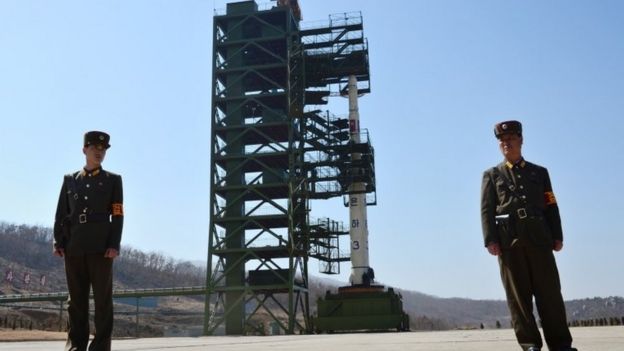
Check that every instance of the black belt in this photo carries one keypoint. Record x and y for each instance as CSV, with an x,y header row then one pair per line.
x,y
93,218
525,212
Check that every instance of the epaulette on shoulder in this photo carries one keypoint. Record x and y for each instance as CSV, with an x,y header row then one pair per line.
x,y
533,165
110,174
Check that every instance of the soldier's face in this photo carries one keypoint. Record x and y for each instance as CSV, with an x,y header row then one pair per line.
x,y
511,146
95,154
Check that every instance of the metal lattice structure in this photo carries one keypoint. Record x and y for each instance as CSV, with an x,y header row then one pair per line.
x,y
271,152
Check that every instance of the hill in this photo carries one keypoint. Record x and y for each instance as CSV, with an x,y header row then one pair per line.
x,y
28,266
26,251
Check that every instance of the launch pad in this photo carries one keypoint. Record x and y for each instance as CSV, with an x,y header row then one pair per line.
x,y
371,308
591,338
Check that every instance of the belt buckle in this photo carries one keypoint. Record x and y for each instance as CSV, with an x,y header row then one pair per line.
x,y
82,218
521,213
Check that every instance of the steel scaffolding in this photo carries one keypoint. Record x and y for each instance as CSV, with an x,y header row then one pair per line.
x,y
272,151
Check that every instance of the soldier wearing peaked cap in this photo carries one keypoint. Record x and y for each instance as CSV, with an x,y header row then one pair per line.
x,y
521,225
87,233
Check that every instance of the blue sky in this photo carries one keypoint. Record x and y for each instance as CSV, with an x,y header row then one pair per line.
x,y
442,73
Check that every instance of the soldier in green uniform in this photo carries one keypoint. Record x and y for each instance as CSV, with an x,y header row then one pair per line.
x,y
87,233
521,225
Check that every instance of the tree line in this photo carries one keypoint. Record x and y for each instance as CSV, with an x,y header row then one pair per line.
x,y
24,248
598,322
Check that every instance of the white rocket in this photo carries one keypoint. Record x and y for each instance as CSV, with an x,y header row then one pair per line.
x,y
361,273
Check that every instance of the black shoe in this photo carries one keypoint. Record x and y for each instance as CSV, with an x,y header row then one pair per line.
x,y
569,348
533,348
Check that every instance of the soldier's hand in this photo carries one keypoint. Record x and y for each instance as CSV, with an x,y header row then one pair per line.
x,y
558,245
111,253
60,252
494,249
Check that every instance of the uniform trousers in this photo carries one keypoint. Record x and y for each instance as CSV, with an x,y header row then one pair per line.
x,y
529,272
84,272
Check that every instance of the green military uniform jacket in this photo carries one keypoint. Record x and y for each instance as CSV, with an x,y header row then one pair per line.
x,y
518,206
89,214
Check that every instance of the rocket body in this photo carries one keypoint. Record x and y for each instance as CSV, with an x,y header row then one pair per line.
x,y
361,273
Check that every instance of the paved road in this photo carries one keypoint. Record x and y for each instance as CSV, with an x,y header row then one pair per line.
x,y
586,339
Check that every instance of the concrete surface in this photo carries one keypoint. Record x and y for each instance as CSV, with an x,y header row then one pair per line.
x,y
585,339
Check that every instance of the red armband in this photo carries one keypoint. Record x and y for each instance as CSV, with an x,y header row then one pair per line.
x,y
117,210
549,197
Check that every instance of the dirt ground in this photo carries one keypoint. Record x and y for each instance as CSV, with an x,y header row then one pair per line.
x,y
30,335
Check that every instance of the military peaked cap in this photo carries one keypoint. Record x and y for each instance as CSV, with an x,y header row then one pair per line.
x,y
96,138
507,127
